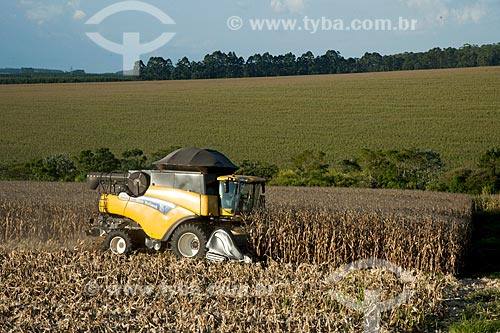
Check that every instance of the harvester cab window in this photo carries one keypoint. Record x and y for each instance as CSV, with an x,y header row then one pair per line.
x,y
240,197
227,192
250,197
245,203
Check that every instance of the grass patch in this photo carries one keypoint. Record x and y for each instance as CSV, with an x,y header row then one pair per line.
x,y
482,315
476,326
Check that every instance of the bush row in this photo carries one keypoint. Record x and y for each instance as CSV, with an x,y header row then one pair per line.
x,y
62,167
396,169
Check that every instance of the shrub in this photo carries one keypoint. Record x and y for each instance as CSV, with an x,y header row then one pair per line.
x,y
133,159
52,168
102,160
401,169
258,169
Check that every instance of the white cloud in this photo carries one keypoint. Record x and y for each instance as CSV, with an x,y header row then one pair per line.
x,y
443,10
74,3
294,6
79,15
43,11
472,13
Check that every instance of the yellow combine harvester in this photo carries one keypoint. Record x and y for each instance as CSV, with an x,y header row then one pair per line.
x,y
192,204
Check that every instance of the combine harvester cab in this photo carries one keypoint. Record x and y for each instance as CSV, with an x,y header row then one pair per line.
x,y
192,204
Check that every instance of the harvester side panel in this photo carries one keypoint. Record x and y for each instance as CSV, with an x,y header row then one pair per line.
x,y
155,216
184,199
154,222
160,208
111,204
199,204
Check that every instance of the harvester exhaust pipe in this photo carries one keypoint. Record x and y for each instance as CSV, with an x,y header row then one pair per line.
x,y
222,247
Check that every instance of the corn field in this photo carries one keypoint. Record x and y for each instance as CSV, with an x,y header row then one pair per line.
x,y
54,278
416,230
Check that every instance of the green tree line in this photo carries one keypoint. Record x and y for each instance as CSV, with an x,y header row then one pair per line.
x,y
393,169
33,78
229,65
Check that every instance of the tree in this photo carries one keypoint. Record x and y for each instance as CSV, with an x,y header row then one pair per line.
x,y
158,69
311,167
182,70
197,70
489,163
102,160
467,56
488,55
305,64
133,159
258,169
405,169
463,180
432,59
268,64
449,58
235,66
57,167
371,62
215,65
411,61
252,66
289,64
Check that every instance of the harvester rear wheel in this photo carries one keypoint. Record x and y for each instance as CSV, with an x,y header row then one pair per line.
x,y
189,241
118,242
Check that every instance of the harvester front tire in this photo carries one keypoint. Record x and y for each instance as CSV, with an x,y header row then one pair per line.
x,y
189,241
118,242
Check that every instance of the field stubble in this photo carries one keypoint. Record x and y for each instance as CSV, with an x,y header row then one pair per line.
x,y
47,265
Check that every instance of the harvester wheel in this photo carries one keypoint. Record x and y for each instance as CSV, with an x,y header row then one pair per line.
x,y
189,241
118,242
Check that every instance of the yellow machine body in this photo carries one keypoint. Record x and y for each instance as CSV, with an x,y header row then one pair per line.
x,y
162,208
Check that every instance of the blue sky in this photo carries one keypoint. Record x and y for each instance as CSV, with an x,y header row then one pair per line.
x,y
52,34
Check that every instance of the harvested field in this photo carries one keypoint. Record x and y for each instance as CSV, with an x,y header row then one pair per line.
x,y
55,279
87,290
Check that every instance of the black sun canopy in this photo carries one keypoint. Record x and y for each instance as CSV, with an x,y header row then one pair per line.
x,y
197,159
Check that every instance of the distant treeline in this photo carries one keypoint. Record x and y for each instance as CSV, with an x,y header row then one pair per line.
x,y
30,70
71,77
222,65
396,169
229,65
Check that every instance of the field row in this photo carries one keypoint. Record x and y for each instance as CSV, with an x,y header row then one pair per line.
x,y
453,112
